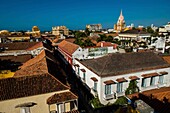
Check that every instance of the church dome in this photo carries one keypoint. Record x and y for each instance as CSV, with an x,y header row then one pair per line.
x,y
35,28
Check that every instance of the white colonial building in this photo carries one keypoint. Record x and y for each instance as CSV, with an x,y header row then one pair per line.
x,y
133,35
108,77
70,51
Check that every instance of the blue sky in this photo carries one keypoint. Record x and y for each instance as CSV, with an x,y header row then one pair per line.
x,y
75,14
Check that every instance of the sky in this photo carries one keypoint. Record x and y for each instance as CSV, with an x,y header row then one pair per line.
x,y
75,14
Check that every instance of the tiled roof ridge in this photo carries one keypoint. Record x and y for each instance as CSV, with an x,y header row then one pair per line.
x,y
27,66
68,47
37,59
58,81
37,45
18,93
72,43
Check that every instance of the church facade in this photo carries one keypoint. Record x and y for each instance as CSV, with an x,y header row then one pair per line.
x,y
120,23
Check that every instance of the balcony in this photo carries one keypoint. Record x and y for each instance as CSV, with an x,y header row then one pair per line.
x,y
110,96
119,94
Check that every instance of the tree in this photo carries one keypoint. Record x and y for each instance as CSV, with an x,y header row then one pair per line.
x,y
87,32
121,101
133,88
88,43
79,34
150,30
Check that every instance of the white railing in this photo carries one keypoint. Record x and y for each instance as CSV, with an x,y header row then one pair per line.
x,y
110,96
153,87
119,94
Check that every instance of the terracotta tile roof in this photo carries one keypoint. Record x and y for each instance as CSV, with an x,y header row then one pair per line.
x,y
38,67
17,87
121,79
18,45
73,111
61,97
68,47
83,70
159,99
37,45
109,82
135,31
18,58
43,63
37,76
163,73
166,58
159,93
70,40
133,77
34,60
76,65
112,34
94,79
122,63
150,75
104,44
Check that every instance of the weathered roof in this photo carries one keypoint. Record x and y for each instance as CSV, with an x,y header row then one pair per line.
x,y
105,44
61,97
150,75
42,63
166,58
17,87
133,77
134,31
159,99
109,82
35,77
18,58
122,63
68,47
18,45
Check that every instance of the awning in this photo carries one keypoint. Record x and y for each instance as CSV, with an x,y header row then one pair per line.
x,y
108,82
133,77
121,79
94,79
150,75
28,104
83,70
163,73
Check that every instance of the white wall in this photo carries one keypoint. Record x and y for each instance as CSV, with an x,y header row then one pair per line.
x,y
101,85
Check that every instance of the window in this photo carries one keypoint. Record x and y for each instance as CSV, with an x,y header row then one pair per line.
x,y
84,76
78,71
108,89
143,82
119,87
25,110
152,82
95,86
161,79
53,111
60,108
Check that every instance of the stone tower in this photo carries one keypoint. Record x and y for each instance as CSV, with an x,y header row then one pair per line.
x,y
120,23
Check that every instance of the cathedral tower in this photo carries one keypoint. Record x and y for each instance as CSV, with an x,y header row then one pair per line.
x,y
120,23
